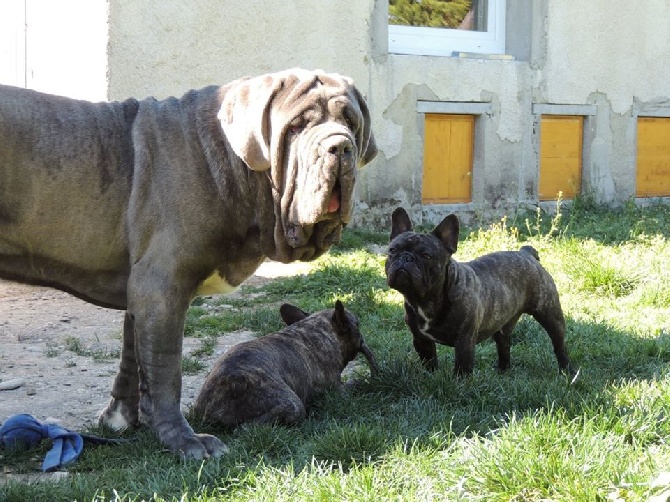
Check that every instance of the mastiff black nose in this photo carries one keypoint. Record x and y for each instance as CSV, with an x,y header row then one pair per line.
x,y
339,146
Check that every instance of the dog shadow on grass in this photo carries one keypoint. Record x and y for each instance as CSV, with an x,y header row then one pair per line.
x,y
407,405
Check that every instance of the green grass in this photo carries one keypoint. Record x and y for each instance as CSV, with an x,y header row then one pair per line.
x,y
406,434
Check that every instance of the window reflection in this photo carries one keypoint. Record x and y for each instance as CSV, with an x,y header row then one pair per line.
x,y
452,14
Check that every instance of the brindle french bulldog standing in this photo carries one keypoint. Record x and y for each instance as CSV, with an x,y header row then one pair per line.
x,y
462,304
273,378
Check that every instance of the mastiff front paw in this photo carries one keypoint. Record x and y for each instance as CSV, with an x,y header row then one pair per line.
x,y
200,447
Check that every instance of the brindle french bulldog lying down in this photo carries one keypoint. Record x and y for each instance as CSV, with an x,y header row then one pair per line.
x,y
273,378
462,304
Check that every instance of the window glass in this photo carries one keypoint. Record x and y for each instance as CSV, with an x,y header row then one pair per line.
x,y
442,27
454,14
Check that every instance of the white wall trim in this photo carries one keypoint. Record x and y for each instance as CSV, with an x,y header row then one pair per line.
x,y
554,109
651,110
454,107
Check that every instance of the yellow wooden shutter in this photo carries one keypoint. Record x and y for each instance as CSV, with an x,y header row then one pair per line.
x,y
653,157
560,156
447,158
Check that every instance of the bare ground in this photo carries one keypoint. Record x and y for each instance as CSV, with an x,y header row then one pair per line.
x,y
62,352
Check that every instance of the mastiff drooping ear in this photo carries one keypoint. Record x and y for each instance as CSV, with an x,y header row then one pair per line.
x,y
310,130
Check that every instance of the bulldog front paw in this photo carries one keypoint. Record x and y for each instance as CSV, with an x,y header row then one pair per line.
x,y
430,364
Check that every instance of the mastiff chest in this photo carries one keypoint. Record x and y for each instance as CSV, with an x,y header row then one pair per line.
x,y
215,285
228,276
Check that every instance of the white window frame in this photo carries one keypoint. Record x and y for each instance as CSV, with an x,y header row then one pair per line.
x,y
424,41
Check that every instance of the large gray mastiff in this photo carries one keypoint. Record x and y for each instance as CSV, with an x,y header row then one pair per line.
x,y
142,205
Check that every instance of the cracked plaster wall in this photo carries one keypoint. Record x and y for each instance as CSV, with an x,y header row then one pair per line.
x,y
618,58
569,52
501,175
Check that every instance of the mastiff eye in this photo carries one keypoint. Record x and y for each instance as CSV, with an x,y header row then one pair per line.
x,y
296,128
427,256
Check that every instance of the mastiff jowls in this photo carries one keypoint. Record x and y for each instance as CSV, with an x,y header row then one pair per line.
x,y
142,205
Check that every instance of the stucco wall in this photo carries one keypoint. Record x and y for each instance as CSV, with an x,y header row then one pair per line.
x,y
615,55
163,48
619,49
611,56
398,83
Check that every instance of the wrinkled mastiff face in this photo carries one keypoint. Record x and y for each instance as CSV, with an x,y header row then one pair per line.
x,y
274,378
168,199
310,141
462,304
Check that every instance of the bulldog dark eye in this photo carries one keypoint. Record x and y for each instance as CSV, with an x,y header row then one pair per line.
x,y
296,129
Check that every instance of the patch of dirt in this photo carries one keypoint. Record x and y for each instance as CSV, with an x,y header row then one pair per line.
x,y
63,352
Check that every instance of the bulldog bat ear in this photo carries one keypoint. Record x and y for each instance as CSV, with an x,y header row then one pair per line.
x,y
245,118
447,232
400,223
291,314
341,319
340,316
